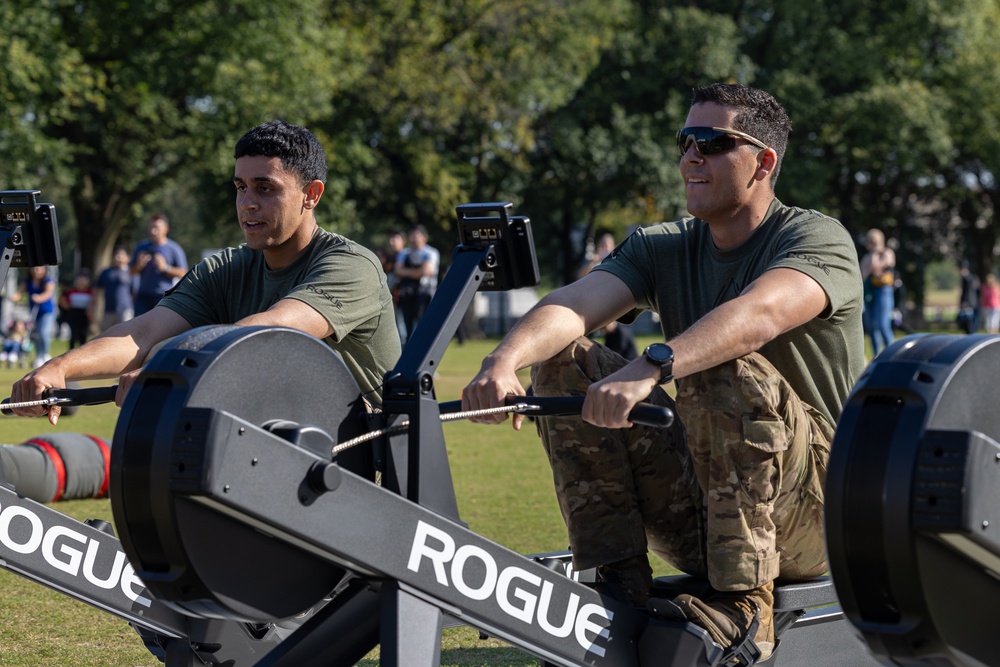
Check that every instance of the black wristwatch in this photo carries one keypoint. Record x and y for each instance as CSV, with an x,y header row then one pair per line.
x,y
660,354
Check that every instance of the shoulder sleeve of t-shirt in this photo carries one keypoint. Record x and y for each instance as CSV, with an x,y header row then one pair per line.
x,y
633,262
199,297
820,247
345,284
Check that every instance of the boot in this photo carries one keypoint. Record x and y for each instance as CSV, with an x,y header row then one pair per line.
x,y
728,616
627,581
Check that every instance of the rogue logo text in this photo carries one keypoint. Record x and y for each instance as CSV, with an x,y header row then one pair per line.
x,y
67,550
520,594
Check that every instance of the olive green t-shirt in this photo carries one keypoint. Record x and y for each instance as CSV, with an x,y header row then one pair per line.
x,y
340,279
675,270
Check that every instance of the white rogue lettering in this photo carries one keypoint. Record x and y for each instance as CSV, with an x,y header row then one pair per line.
x,y
66,549
525,603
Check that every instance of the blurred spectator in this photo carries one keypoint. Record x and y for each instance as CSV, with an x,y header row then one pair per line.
x,y
878,269
417,269
966,318
75,304
395,245
115,283
619,337
15,345
990,299
41,290
159,262
968,299
605,244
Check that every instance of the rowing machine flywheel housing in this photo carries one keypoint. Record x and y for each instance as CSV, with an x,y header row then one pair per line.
x,y
913,501
194,557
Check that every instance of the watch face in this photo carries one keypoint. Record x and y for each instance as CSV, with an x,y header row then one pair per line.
x,y
659,353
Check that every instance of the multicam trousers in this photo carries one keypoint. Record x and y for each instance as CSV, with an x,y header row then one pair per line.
x,y
733,491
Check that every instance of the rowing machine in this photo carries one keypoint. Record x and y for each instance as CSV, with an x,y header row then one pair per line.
x,y
206,458
193,466
84,560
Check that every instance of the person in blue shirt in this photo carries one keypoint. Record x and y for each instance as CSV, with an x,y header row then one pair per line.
x,y
41,291
159,263
115,284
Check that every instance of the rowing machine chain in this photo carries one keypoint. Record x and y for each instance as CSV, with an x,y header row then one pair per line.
x,y
389,430
32,404
451,416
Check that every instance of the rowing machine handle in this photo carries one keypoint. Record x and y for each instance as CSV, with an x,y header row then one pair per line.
x,y
88,396
646,414
85,396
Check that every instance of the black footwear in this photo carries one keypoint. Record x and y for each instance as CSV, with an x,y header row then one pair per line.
x,y
627,581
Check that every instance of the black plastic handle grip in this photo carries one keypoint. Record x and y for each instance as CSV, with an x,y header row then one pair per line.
x,y
646,414
87,396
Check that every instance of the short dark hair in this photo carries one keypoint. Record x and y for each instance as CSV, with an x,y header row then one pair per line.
x,y
757,113
297,148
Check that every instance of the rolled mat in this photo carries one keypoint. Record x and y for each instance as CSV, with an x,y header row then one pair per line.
x,y
57,466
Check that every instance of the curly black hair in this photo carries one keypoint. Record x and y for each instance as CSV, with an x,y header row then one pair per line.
x,y
297,148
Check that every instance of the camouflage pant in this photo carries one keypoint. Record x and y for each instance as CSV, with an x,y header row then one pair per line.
x,y
733,491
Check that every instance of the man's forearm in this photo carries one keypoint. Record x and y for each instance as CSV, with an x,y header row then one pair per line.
x,y
560,318
539,335
412,273
106,356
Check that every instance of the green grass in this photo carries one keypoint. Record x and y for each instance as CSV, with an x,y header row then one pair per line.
x,y
502,482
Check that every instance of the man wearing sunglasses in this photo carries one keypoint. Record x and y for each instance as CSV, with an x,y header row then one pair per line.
x,y
760,305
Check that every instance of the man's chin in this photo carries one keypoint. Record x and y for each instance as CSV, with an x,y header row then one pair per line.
x,y
255,241
694,209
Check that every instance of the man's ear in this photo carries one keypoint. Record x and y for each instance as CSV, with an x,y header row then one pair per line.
x,y
768,163
313,191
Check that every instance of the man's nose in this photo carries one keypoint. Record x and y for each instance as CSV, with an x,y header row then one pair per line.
x,y
691,152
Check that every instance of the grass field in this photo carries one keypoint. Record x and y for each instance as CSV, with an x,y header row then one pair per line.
x,y
504,492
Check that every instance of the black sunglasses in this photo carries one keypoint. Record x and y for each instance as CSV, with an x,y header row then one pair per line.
x,y
712,140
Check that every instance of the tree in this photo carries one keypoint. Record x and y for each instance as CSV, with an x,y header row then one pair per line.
x,y
567,109
611,148
112,101
968,79
444,108
871,87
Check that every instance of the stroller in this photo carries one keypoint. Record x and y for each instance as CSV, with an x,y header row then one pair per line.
x,y
18,343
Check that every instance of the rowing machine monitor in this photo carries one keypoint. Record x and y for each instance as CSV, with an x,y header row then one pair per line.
x,y
514,263
29,232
